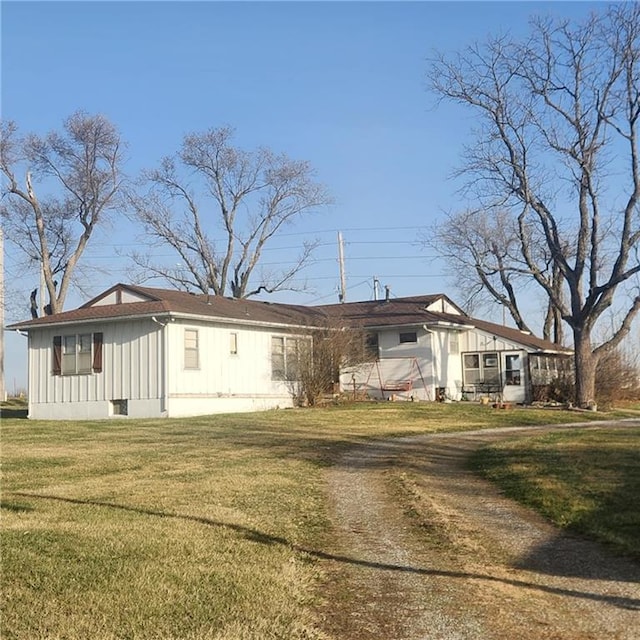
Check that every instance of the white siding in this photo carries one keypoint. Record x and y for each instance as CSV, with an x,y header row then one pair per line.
x,y
447,366
401,364
222,373
436,359
443,306
125,296
136,369
477,340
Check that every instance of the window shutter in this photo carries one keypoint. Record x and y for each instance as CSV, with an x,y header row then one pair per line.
x,y
97,352
57,355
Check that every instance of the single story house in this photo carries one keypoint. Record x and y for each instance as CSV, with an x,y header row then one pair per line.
x,y
427,348
149,352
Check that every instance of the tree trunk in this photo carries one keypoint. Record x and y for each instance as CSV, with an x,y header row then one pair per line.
x,y
585,369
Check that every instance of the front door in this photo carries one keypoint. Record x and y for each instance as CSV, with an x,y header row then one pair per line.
x,y
513,372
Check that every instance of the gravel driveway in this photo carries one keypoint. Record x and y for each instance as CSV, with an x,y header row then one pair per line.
x,y
423,549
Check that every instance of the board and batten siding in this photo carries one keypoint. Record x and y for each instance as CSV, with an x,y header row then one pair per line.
x,y
477,340
447,361
404,369
131,370
223,381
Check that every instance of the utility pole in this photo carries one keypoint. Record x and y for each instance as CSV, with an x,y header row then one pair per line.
x,y
343,278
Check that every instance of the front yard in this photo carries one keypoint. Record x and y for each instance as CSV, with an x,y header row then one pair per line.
x,y
198,528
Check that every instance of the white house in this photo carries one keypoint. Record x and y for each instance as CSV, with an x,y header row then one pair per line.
x,y
146,352
427,348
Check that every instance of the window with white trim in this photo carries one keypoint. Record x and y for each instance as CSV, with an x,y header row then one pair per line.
x,y
233,343
481,368
76,354
286,356
490,368
278,369
191,355
408,336
371,345
471,363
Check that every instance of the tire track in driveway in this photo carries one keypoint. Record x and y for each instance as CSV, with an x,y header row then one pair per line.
x,y
481,567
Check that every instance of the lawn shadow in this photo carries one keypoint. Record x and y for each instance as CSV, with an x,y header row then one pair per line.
x,y
261,537
574,557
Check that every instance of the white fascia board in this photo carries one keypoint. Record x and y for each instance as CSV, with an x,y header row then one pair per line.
x,y
441,324
168,315
421,325
555,352
70,323
382,327
238,321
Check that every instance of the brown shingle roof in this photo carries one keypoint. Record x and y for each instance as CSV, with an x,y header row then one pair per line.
x,y
382,313
396,312
162,302
412,311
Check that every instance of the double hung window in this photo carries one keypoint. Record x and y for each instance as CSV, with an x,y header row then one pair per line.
x,y
287,356
191,354
78,353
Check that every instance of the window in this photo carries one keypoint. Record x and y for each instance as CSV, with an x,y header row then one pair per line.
x,y
120,407
410,336
291,356
454,344
471,363
481,367
491,372
77,353
287,354
191,360
69,354
512,370
371,345
278,369
233,344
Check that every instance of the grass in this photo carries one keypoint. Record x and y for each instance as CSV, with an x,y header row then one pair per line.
x,y
201,528
587,482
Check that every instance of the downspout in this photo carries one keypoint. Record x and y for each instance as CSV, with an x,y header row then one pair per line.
x,y
164,398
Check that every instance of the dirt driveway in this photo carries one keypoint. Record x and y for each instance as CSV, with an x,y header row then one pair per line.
x,y
425,550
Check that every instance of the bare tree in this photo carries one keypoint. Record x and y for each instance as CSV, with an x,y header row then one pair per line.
x,y
82,164
320,360
557,145
211,187
482,250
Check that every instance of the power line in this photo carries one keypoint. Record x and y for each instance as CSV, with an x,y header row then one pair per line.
x,y
309,233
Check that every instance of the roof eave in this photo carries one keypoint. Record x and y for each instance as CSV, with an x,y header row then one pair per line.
x,y
171,315
30,326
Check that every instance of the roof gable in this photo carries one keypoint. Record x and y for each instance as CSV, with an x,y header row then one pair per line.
x,y
120,294
442,304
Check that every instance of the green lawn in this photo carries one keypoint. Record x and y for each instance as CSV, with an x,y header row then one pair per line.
x,y
584,481
197,528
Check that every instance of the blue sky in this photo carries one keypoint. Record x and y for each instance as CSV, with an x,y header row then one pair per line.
x,y
340,84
